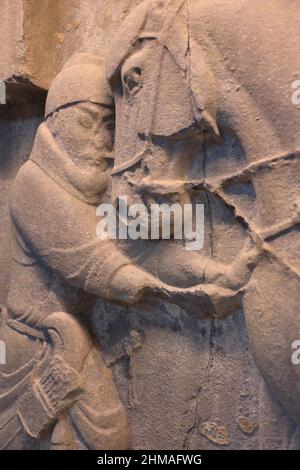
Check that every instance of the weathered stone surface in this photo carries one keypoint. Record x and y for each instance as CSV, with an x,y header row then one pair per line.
x,y
11,37
203,95
38,37
18,125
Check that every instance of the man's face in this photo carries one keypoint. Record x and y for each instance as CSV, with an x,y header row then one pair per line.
x,y
86,132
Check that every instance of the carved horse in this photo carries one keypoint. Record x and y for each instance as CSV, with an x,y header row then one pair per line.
x,y
203,92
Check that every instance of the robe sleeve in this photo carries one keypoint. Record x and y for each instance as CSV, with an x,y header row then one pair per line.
x,y
60,229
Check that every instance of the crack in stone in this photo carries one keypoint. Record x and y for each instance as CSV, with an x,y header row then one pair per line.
x,y
195,426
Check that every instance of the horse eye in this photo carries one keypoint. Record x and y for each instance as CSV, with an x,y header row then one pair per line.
x,y
133,80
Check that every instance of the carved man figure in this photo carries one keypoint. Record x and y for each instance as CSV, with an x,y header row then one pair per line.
x,y
58,264
55,382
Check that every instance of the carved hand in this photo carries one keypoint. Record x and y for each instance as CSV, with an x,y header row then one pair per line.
x,y
133,286
204,301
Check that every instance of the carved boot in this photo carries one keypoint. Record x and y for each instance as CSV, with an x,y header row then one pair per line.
x,y
56,381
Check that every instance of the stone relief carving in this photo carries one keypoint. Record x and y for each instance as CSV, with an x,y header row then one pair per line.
x,y
165,84
179,62
59,264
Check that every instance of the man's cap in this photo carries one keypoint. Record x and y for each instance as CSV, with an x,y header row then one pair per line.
x,y
83,78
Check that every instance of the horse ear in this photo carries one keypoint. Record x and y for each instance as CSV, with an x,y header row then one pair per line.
x,y
203,90
125,40
147,21
176,37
